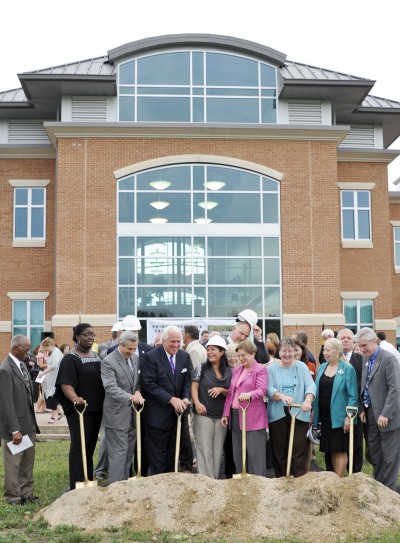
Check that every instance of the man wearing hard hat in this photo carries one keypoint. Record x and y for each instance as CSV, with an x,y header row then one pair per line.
x,y
247,327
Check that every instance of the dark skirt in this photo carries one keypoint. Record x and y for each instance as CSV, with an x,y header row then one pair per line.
x,y
332,439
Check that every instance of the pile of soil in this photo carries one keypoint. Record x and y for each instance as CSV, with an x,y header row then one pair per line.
x,y
315,506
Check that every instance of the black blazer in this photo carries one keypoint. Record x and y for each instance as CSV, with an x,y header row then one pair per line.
x,y
159,385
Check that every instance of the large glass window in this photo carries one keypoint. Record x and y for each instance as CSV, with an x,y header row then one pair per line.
x,y
29,213
356,215
195,276
199,194
358,313
28,319
197,86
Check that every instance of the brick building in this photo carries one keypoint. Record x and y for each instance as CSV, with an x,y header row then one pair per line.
x,y
189,177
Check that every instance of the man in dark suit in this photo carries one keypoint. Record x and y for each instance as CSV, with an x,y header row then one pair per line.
x,y
380,392
346,337
120,376
165,384
17,419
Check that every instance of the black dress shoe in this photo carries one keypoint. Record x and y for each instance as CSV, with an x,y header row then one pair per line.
x,y
32,498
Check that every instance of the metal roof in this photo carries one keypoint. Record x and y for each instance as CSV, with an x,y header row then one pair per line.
x,y
42,89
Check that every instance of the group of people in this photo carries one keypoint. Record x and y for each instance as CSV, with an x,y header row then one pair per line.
x,y
210,386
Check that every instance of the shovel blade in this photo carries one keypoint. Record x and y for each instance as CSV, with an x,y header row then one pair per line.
x,y
85,484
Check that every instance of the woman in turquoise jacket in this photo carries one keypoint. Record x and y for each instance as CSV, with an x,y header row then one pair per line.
x,y
336,389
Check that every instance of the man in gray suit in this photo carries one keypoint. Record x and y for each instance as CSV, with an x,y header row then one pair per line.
x,y
120,375
17,419
380,394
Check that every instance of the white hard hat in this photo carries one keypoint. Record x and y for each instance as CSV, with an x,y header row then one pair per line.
x,y
131,322
249,316
117,327
218,341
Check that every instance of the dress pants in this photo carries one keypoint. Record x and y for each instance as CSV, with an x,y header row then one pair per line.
x,y
186,451
384,450
279,431
92,422
101,469
18,472
256,442
160,444
210,436
120,445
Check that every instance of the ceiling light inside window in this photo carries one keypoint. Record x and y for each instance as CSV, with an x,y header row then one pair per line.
x,y
159,205
160,185
202,220
208,205
215,185
158,220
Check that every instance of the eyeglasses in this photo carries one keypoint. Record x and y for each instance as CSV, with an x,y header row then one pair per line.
x,y
88,335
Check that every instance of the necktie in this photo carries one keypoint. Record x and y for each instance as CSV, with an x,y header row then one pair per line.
x,y
367,399
27,378
171,363
128,363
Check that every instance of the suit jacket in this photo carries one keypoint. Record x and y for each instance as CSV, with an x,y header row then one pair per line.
x,y
16,402
255,382
159,385
344,393
384,388
119,385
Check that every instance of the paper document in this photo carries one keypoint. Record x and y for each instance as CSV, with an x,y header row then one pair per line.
x,y
25,444
40,378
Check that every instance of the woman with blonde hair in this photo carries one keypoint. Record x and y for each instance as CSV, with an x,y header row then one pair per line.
x,y
336,388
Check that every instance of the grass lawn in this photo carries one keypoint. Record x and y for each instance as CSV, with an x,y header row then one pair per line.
x,y
51,475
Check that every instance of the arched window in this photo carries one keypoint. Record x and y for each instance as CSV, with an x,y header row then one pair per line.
x,y
197,87
199,241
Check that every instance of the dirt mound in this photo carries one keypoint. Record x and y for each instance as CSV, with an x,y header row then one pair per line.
x,y
315,505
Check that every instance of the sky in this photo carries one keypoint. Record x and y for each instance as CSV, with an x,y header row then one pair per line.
x,y
359,37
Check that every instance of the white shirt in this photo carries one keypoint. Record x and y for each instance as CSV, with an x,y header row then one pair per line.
x,y
389,347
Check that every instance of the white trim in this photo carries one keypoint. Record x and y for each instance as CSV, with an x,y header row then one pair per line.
x,y
357,244
23,242
58,130
190,158
73,319
6,326
395,223
317,319
29,182
356,186
28,295
385,324
360,295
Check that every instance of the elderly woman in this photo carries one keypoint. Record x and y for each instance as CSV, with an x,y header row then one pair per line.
x,y
210,384
79,381
248,386
290,382
336,388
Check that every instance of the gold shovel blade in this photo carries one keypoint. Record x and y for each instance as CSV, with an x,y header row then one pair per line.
x,y
85,484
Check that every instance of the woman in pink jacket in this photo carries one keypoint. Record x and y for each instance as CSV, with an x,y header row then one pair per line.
x,y
249,383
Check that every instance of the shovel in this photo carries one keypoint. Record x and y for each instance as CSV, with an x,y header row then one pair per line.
x,y
178,440
86,481
138,410
351,412
244,443
291,436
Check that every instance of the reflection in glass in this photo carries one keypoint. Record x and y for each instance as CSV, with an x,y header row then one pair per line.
x,y
177,210
271,271
271,246
229,301
38,197
234,246
234,271
350,311
127,73
232,110
363,224
126,207
347,198
126,246
20,313
231,70
21,196
348,224
165,301
174,178
37,224
164,69
126,301
232,179
21,222
126,108
270,208
236,208
272,302
163,109
126,272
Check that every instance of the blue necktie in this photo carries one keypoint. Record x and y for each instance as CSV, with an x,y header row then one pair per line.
x,y
171,363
